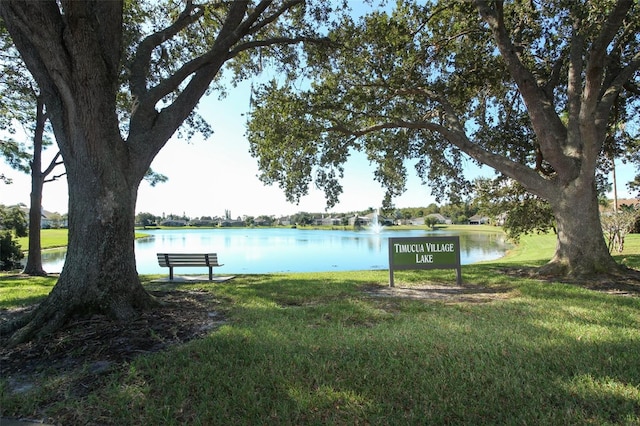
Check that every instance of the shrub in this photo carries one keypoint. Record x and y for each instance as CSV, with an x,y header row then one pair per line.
x,y
10,253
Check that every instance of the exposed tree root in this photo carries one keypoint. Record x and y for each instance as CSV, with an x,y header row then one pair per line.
x,y
44,320
34,272
562,269
14,324
77,356
52,314
621,280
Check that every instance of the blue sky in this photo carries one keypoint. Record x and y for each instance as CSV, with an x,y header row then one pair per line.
x,y
207,177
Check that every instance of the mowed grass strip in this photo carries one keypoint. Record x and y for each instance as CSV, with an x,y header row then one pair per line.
x,y
316,348
54,238
49,238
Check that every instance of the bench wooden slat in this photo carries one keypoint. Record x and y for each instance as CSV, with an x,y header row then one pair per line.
x,y
171,260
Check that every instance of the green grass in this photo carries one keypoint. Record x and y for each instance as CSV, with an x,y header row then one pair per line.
x,y
20,291
313,348
532,250
54,238
49,238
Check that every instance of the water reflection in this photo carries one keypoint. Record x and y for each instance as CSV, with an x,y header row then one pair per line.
x,y
289,250
53,259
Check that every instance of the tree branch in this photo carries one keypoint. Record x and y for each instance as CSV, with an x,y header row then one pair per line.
x,y
52,165
594,68
554,76
248,26
54,178
273,41
620,81
547,125
574,84
146,142
42,20
456,136
142,61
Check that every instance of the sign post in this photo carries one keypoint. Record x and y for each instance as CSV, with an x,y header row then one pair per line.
x,y
425,253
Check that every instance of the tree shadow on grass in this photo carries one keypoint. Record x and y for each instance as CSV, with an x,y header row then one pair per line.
x,y
418,371
426,363
75,358
626,282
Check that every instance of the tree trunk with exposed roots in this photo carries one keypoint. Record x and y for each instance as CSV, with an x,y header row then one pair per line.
x,y
99,275
581,249
103,174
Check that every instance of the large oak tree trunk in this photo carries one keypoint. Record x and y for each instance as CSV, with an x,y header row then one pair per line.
x,y
99,274
581,248
100,258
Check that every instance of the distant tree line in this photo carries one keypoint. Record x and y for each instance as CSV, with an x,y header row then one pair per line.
x,y
458,213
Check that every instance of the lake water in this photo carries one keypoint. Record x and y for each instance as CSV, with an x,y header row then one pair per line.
x,y
256,250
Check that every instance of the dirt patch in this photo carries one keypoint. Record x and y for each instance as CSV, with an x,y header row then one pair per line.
x,y
624,283
85,349
440,292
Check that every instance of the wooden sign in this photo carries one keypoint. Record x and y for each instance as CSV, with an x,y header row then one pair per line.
x,y
425,253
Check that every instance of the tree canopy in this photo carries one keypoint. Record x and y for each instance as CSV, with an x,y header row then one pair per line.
x,y
17,104
531,89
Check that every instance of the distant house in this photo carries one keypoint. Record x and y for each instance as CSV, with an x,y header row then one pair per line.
x,y
201,222
53,220
359,221
501,219
634,202
382,220
622,204
368,220
49,219
478,220
331,221
440,218
420,221
231,223
263,221
284,221
174,222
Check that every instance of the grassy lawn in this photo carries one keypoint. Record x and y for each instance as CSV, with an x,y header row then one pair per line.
x,y
49,238
314,348
54,238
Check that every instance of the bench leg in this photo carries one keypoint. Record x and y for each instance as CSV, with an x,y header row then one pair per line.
x,y
210,273
170,273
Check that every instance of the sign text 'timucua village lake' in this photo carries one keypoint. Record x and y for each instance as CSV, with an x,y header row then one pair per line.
x,y
425,253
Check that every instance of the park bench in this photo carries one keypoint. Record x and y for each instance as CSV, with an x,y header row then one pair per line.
x,y
174,260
